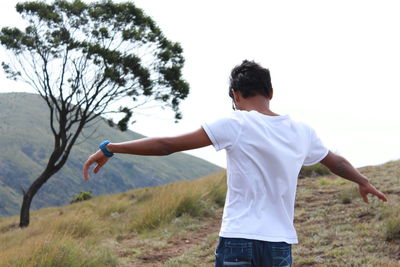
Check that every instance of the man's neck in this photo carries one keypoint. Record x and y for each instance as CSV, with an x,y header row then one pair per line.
x,y
259,104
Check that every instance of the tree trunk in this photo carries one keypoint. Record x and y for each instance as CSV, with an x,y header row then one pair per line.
x,y
24,215
28,195
56,161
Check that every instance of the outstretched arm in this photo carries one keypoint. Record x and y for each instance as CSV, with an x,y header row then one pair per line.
x,y
343,168
156,146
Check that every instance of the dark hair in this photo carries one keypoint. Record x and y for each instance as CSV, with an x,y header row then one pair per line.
x,y
250,79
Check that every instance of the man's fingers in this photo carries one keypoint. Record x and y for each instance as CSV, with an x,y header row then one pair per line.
x,y
370,189
98,158
85,171
381,196
97,168
365,198
378,193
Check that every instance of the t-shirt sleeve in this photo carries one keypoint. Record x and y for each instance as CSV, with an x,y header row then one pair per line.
x,y
224,132
316,150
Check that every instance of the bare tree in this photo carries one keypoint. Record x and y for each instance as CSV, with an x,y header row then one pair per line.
x,y
81,58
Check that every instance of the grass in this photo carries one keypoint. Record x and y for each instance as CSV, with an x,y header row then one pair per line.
x,y
165,203
313,171
55,241
201,255
336,228
392,229
66,251
177,225
85,233
348,195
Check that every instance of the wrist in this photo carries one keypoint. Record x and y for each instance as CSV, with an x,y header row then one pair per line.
x,y
111,147
104,149
363,181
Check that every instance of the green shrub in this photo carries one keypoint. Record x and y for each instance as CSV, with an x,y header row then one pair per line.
x,y
83,195
392,229
313,171
387,211
324,181
348,194
345,197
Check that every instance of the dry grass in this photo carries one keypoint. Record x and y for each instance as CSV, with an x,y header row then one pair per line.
x,y
79,234
336,228
392,228
54,239
163,204
176,225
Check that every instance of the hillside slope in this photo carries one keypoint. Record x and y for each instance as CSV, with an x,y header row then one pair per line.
x,y
26,142
176,225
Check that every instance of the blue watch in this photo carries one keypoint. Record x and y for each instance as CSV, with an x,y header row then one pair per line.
x,y
103,148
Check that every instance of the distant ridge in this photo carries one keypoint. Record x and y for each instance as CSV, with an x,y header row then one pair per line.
x,y
26,142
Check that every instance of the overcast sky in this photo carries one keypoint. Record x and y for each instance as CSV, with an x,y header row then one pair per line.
x,y
335,65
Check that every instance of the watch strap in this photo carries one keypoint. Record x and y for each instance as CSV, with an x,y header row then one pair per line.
x,y
104,149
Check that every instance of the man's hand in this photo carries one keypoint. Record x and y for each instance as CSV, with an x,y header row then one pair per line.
x,y
367,188
98,158
341,167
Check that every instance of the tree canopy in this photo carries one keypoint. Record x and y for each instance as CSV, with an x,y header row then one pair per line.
x,y
81,58
102,51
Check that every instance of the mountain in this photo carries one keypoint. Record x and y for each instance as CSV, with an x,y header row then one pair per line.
x,y
26,142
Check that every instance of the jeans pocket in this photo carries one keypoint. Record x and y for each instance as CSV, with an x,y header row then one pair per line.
x,y
218,253
237,253
281,254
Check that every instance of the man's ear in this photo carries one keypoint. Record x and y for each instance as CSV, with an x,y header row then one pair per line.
x,y
236,96
271,94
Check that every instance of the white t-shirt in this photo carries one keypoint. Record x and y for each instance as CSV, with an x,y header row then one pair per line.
x,y
264,158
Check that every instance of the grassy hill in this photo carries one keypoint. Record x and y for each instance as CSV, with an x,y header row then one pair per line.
x,y
26,142
176,225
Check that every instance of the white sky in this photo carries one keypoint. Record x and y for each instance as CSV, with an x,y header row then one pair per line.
x,y
334,65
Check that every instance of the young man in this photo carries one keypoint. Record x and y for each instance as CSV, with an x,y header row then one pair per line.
x,y
265,152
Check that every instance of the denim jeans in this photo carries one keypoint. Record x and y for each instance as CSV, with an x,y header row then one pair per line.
x,y
240,252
